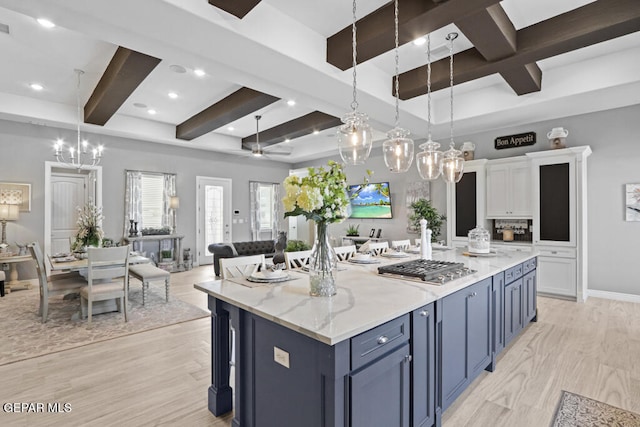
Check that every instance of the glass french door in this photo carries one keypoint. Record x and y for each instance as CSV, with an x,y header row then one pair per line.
x,y
214,215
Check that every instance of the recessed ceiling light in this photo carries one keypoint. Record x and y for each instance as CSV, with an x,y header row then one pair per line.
x,y
315,132
45,23
177,69
152,111
287,140
419,41
36,86
139,105
291,103
231,128
172,95
199,72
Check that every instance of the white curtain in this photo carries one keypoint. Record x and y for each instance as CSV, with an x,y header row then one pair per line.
x,y
132,199
276,210
169,191
254,209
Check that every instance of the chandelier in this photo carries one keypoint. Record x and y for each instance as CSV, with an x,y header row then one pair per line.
x,y
429,161
398,148
452,162
354,136
78,157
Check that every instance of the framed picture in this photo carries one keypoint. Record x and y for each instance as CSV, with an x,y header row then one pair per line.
x,y
15,193
632,193
372,232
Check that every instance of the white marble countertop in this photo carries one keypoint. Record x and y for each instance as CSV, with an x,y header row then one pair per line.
x,y
364,299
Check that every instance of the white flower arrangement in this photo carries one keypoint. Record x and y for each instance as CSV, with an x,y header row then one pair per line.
x,y
89,227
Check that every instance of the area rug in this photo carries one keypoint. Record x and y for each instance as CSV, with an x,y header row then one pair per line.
x,y
24,336
579,411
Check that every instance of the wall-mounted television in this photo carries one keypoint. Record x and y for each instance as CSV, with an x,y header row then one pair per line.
x,y
370,201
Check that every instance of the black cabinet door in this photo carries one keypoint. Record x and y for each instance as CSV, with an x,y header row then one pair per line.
x,y
512,310
498,312
479,326
530,296
466,210
380,391
423,366
555,211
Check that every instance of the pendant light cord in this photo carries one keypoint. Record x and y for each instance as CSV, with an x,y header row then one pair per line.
x,y
397,80
354,103
258,131
428,87
79,73
451,37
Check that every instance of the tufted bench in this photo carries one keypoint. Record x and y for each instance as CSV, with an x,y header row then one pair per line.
x,y
147,273
1,283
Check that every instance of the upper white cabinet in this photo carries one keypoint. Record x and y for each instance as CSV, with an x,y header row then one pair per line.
x,y
509,188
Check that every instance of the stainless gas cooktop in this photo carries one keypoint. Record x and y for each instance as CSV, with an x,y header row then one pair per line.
x,y
429,271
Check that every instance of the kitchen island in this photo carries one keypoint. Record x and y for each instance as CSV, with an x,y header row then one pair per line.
x,y
383,351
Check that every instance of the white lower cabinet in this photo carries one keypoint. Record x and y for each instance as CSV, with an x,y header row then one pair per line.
x,y
557,276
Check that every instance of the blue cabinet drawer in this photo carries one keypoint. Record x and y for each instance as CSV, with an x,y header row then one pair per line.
x,y
369,345
512,274
528,265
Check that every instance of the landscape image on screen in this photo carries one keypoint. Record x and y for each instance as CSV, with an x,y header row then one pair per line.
x,y
371,201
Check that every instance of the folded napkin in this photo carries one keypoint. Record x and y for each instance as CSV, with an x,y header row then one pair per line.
x,y
365,247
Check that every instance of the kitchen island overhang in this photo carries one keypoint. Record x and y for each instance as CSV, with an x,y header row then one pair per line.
x,y
323,329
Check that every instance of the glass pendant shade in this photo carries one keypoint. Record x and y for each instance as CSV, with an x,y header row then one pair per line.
x,y
452,165
398,150
429,161
354,138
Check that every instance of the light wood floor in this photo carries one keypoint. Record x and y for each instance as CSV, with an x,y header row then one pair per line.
x,y
161,377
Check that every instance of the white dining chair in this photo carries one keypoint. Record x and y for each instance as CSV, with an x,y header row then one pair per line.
x,y
345,252
56,284
401,244
416,242
296,259
241,266
378,248
112,266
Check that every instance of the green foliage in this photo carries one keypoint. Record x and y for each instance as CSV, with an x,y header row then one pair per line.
x,y
352,230
297,245
422,209
165,254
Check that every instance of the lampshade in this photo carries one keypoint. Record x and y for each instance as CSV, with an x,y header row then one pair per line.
x,y
174,202
354,138
429,161
398,150
9,212
452,165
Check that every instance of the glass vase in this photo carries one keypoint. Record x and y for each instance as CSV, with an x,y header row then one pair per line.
x,y
322,264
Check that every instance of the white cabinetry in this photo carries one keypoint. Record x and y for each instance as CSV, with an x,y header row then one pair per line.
x,y
560,220
509,188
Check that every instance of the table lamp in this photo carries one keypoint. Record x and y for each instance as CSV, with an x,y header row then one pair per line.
x,y
7,213
174,204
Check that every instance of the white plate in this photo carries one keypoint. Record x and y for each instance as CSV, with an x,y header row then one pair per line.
x,y
364,261
279,275
395,255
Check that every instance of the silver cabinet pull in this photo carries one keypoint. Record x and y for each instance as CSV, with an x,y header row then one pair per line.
x,y
408,358
473,294
383,340
424,313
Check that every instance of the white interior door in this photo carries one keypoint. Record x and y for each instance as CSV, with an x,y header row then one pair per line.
x,y
214,215
68,191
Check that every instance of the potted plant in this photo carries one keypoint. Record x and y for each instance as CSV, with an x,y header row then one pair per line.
x,y
352,230
422,209
297,245
166,256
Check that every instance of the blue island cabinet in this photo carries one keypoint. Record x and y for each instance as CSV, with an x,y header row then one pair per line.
x,y
464,329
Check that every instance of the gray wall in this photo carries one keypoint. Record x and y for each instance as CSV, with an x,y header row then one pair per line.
x,y
613,137
24,148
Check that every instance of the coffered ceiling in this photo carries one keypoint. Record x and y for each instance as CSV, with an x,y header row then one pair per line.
x,y
289,61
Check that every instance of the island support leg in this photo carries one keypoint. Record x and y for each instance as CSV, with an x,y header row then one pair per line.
x,y
220,392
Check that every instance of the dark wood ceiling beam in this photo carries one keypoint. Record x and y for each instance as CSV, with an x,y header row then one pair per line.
x,y
305,125
375,32
493,34
238,8
588,25
122,76
242,102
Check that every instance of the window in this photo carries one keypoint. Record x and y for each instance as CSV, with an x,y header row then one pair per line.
x,y
147,201
264,208
266,203
152,200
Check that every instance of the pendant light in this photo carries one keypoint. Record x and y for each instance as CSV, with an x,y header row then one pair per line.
x,y
257,150
354,136
76,156
398,148
452,162
429,161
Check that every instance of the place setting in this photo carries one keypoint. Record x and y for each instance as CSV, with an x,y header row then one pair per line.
x,y
363,258
395,254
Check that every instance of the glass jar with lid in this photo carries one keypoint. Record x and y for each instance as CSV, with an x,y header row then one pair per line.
x,y
479,241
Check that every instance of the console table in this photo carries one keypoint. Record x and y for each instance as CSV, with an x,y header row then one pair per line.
x,y
13,272
176,239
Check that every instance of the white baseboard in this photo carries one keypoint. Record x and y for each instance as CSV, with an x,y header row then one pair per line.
x,y
613,295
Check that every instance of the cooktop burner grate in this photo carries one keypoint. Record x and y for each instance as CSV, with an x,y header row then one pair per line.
x,y
427,270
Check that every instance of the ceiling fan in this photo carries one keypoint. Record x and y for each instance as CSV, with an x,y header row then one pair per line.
x,y
259,151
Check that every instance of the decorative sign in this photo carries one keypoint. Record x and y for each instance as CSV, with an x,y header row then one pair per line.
x,y
513,141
